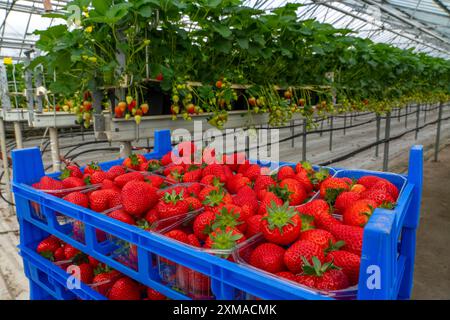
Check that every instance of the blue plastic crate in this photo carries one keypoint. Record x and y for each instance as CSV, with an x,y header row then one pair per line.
x,y
387,261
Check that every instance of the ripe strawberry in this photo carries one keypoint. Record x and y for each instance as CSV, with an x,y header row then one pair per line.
x,y
134,161
91,168
85,274
172,204
151,216
369,181
285,173
351,235
348,262
331,188
193,241
306,280
138,197
253,172
122,180
347,180
152,294
297,194
313,207
94,262
115,171
281,225
246,199
59,255
304,180
192,175
263,183
388,187
299,251
358,188
70,252
380,197
233,161
167,158
150,166
123,216
325,276
177,235
48,246
268,257
203,224
101,200
237,182
78,198
71,171
73,182
125,289
216,199
359,213
193,203
224,239
267,200
213,180
174,171
50,184
230,216
98,177
345,200
104,281
286,275
321,237
109,184
253,225
227,172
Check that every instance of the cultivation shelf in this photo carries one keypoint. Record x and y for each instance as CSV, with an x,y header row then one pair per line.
x,y
387,260
14,115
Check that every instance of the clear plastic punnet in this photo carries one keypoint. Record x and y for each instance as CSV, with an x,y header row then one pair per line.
x,y
242,254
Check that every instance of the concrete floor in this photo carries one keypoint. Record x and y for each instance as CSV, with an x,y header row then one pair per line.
x,y
432,276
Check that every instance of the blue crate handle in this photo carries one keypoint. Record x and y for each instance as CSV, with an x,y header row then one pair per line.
x,y
395,261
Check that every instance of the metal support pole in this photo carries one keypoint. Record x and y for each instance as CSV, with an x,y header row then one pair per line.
x,y
406,116
54,146
7,177
417,121
399,113
331,132
438,134
18,135
345,123
292,133
321,127
425,114
351,119
125,149
304,141
386,142
377,147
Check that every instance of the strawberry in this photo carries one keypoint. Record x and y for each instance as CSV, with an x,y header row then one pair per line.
x,y
155,181
98,177
85,273
203,224
348,262
380,197
253,225
122,180
213,169
108,184
174,171
150,166
263,183
286,275
134,161
216,199
253,172
300,250
50,184
326,276
193,241
388,187
78,198
351,235
267,200
297,194
138,197
358,188
347,180
246,200
369,181
303,179
237,182
321,237
151,216
177,235
71,171
70,252
359,213
192,175
224,239
48,246
230,216
306,280
307,222
94,262
172,204
345,200
227,172
304,167
104,281
233,161
331,188
193,203
59,255
125,289
268,257
167,158
91,168
285,173
281,225
115,171
101,200
123,216
152,294
73,182
186,148
213,180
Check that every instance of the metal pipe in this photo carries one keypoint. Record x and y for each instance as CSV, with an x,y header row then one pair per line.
x,y
386,142
377,147
345,123
304,141
331,132
5,165
438,134
417,121
292,133
54,146
18,135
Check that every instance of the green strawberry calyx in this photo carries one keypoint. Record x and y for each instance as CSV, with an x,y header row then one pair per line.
x,y
214,198
65,174
173,197
226,219
334,246
317,268
224,239
279,217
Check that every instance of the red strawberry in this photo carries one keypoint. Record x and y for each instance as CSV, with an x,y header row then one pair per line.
x,y
263,183
224,239
91,168
237,182
104,281
134,161
321,237
347,180
253,225
311,208
213,180
70,251
50,184
177,235
387,187
152,294
359,213
268,257
115,171
348,262
73,182
331,188
304,180
172,204
253,172
287,275
345,200
193,175
155,181
151,216
167,158
78,198
193,203
231,216
327,276
216,199
380,197
358,188
93,262
281,225
267,200
122,180
150,166
123,216
71,171
285,173
59,254
297,194
306,280
85,272
203,224
108,184
206,191
101,200
48,245
125,289
213,169
138,197
193,241
369,181
300,250
351,235
98,177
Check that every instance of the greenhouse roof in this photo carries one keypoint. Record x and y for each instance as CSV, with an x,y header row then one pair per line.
x,y
420,24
